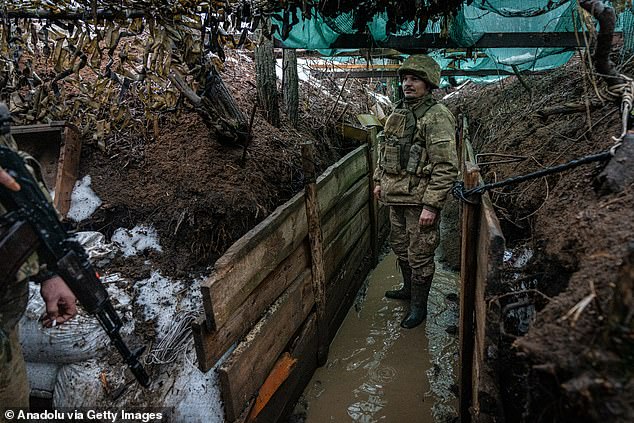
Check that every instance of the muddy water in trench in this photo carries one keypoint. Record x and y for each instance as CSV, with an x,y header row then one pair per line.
x,y
380,372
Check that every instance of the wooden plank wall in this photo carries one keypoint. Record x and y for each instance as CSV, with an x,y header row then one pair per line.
x,y
260,297
483,247
66,170
489,265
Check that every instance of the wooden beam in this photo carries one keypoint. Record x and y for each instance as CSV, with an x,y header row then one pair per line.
x,y
212,345
468,274
77,14
54,126
490,254
346,282
67,168
339,177
250,259
445,72
351,201
424,42
315,238
345,241
247,367
372,201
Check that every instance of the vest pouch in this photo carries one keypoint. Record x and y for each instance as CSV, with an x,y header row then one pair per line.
x,y
397,123
392,159
415,152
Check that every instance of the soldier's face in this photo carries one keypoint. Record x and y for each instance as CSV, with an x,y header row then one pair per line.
x,y
413,86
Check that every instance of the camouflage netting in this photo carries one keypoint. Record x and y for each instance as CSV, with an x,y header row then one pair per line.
x,y
464,26
99,54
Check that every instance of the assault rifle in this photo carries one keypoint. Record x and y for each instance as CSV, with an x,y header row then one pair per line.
x,y
30,224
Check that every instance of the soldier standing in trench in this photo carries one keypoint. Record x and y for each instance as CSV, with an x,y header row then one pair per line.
x,y
60,304
416,168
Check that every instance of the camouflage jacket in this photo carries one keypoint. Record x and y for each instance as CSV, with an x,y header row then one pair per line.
x,y
429,185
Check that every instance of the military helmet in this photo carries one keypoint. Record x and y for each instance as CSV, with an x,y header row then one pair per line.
x,y
422,66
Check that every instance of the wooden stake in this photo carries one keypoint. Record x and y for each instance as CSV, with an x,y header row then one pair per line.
x,y
372,202
316,248
468,280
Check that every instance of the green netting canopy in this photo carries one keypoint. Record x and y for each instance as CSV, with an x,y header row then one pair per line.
x,y
463,30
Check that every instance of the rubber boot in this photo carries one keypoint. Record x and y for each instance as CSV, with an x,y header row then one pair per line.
x,y
404,293
418,304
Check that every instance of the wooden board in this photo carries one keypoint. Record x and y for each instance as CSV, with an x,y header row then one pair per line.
x,y
304,349
490,256
315,238
339,177
346,239
346,283
67,169
344,210
247,262
250,259
211,345
489,263
470,229
242,374
352,132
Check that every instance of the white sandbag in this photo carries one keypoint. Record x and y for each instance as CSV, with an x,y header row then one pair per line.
x,y
42,378
176,383
79,339
79,385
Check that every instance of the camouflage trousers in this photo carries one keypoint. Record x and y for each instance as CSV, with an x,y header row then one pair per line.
x,y
412,242
14,386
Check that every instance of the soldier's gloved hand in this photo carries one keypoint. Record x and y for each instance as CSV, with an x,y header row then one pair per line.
x,y
427,217
60,301
8,181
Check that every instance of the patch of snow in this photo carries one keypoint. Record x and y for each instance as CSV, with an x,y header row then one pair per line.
x,y
83,200
157,296
135,240
518,257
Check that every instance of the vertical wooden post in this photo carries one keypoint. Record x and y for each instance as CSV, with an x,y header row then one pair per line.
x,y
316,248
67,168
468,275
372,203
291,85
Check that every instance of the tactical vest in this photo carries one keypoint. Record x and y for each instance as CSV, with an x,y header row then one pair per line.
x,y
400,151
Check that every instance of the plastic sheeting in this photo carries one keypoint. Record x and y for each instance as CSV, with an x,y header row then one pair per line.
x,y
465,29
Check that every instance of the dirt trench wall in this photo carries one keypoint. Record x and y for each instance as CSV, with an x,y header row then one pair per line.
x,y
566,365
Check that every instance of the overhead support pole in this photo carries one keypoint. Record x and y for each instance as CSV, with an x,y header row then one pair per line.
x,y
424,42
446,72
74,15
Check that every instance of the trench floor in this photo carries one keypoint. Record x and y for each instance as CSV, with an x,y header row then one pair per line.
x,y
380,372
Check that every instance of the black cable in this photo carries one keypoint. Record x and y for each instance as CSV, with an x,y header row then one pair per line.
x,y
459,192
